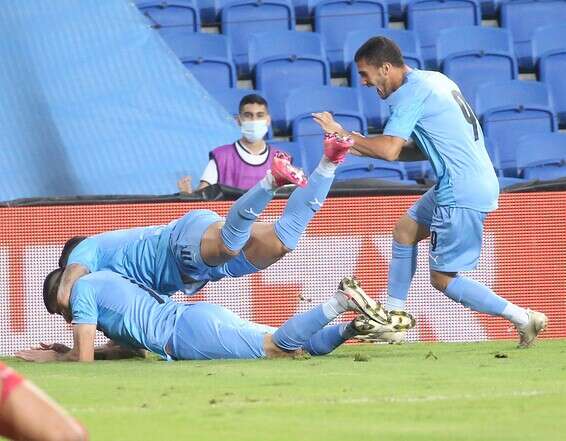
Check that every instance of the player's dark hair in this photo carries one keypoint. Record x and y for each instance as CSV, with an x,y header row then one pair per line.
x,y
379,50
50,287
68,248
253,98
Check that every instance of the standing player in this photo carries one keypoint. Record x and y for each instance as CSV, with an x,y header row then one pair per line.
x,y
26,413
429,107
137,317
201,246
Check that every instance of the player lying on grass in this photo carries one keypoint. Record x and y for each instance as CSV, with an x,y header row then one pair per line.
x,y
201,246
429,108
135,317
26,413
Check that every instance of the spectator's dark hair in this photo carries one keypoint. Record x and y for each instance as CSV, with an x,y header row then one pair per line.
x,y
68,248
379,50
50,287
253,98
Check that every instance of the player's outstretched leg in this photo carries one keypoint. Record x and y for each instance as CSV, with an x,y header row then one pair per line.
x,y
305,202
244,212
480,298
298,331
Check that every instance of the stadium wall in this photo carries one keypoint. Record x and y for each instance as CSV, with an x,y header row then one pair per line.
x,y
523,259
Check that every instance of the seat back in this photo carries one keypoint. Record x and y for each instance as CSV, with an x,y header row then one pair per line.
x,y
355,167
333,19
429,17
172,13
523,17
242,18
537,149
285,43
188,44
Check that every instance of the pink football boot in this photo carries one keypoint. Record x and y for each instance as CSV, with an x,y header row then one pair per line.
x,y
284,172
336,147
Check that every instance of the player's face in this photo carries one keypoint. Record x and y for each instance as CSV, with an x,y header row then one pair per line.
x,y
377,77
254,112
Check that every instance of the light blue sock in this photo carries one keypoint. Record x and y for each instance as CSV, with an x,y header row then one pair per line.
x,y
243,213
302,206
327,339
401,271
296,331
475,296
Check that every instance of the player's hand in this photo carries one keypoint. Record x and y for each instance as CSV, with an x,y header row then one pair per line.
x,y
185,184
37,355
57,347
328,124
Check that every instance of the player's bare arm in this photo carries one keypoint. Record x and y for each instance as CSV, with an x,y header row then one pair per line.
x,y
71,274
82,350
380,146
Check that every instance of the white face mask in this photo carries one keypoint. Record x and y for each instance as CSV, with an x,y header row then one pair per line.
x,y
253,131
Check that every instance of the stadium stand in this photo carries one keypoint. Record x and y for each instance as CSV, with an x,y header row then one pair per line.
x,y
242,18
172,13
283,61
207,56
209,11
295,149
333,19
542,156
429,17
355,167
473,55
523,17
301,102
549,52
511,109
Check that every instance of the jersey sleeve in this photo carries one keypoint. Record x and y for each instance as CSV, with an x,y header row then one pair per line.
x,y
83,304
86,254
406,112
210,173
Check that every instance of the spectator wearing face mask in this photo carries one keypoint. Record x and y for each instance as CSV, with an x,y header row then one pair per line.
x,y
243,163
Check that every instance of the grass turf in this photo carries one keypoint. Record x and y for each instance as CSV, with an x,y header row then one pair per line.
x,y
479,391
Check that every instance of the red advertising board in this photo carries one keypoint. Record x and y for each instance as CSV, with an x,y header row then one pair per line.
x,y
523,260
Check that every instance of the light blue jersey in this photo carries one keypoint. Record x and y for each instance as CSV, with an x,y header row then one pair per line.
x,y
137,317
138,253
430,108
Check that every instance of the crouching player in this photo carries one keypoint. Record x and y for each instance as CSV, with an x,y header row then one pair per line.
x,y
136,317
26,413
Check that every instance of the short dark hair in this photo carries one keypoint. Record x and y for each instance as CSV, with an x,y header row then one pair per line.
x,y
68,248
379,50
50,288
252,98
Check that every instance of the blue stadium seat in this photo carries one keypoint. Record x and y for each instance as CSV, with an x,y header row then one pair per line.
x,y
549,52
230,99
511,109
333,19
419,169
356,167
406,40
523,17
171,13
429,17
207,56
343,101
472,55
210,11
542,155
242,18
295,149
282,61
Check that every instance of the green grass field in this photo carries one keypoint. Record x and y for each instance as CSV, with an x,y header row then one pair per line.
x,y
411,392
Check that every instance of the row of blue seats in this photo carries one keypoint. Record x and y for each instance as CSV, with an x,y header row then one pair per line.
x,y
539,156
283,60
335,18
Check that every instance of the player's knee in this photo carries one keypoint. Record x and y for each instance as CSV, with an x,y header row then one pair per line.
x,y
440,281
273,351
405,231
67,432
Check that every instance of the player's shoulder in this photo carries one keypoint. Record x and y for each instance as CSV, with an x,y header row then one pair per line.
x,y
93,280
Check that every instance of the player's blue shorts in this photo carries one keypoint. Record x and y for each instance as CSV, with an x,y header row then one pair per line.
x,y
205,331
185,241
455,233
